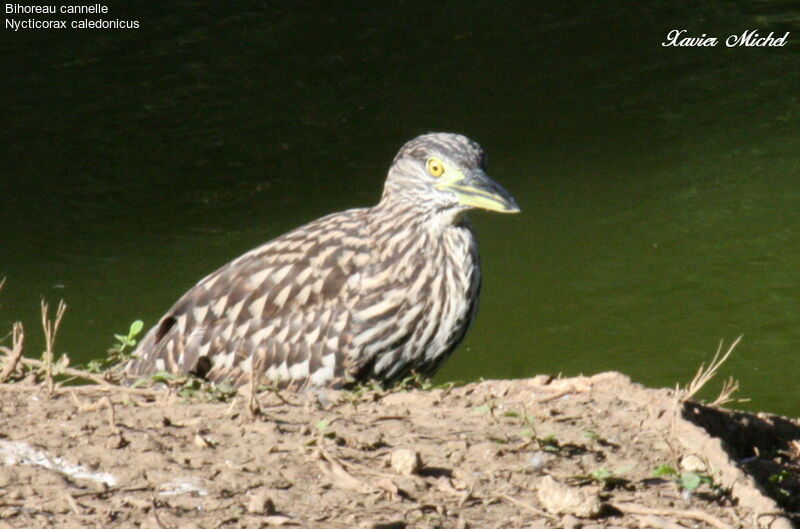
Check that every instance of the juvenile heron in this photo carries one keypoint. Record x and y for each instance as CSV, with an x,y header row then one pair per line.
x,y
368,293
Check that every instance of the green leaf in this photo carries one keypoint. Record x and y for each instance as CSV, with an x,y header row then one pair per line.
x,y
225,388
322,424
136,328
665,470
690,481
602,474
485,408
121,338
528,433
94,366
779,477
162,376
511,414
591,435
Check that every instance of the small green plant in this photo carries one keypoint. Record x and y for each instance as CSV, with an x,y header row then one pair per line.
x,y
665,470
610,478
190,387
688,481
780,477
549,443
602,474
368,390
484,408
591,435
413,381
780,488
322,425
117,352
529,421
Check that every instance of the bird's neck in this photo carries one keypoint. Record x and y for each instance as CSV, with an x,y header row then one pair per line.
x,y
423,229
426,216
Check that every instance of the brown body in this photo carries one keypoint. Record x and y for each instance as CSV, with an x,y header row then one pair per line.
x,y
372,293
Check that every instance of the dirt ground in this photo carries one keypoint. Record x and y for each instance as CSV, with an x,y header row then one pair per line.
x,y
534,453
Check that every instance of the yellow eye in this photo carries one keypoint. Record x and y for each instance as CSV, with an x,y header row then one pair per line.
x,y
435,167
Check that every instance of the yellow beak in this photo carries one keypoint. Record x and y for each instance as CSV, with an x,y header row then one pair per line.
x,y
477,190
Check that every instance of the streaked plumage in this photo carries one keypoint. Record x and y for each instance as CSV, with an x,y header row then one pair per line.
x,y
370,293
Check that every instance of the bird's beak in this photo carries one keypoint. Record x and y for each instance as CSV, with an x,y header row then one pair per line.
x,y
475,189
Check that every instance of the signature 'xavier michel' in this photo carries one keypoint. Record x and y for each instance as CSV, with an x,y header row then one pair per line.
x,y
370,293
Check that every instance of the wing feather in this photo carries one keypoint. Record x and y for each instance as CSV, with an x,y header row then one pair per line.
x,y
285,315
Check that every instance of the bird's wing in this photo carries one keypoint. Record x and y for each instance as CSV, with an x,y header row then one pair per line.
x,y
285,307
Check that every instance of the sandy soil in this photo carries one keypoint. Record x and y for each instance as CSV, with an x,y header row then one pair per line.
x,y
535,453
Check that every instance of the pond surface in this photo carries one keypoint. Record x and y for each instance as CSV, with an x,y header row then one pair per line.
x,y
660,186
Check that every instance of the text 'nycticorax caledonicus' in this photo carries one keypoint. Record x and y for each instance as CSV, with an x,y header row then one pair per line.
x,y
370,293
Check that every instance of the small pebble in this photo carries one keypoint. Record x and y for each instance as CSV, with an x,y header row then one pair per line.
x,y
202,442
261,503
559,498
386,525
570,522
406,462
116,441
538,460
693,463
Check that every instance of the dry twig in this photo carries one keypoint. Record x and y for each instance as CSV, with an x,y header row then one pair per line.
x,y
729,387
103,402
332,467
632,508
88,390
71,371
704,374
50,328
252,401
527,507
654,522
14,354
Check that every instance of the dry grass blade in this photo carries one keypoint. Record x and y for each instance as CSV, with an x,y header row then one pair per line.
x,y
70,371
729,387
338,475
252,402
705,374
527,506
631,508
91,389
654,522
14,354
50,328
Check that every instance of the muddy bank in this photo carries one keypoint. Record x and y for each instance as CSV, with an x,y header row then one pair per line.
x,y
537,453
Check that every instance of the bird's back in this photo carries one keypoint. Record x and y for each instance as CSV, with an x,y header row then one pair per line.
x,y
325,304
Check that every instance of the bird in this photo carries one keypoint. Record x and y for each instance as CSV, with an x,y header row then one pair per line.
x,y
369,294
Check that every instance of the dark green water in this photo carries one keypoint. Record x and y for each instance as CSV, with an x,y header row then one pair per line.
x,y
660,186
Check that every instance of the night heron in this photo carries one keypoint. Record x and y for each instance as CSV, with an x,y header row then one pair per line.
x,y
371,293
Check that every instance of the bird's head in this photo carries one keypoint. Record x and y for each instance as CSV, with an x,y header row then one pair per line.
x,y
446,171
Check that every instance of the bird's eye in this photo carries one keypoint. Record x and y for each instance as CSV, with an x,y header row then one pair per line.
x,y
435,167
